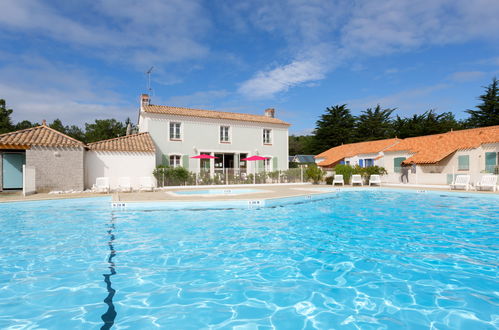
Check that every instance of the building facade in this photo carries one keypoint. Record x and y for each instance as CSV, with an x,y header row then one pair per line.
x,y
181,133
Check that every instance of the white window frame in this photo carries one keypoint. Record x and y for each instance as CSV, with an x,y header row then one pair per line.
x,y
269,141
228,135
175,163
179,131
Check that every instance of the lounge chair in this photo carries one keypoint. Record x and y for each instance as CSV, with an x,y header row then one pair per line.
x,y
462,181
488,181
338,178
146,183
102,184
357,179
375,179
124,184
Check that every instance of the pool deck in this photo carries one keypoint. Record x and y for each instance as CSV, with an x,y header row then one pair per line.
x,y
270,191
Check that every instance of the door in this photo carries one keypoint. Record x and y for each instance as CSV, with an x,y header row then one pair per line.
x,y
12,173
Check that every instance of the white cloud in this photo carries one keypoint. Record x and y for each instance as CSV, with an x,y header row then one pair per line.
x,y
466,76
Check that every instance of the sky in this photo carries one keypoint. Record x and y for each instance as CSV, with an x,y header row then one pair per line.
x,y
84,60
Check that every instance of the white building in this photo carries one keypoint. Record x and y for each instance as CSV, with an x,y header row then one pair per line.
x,y
181,133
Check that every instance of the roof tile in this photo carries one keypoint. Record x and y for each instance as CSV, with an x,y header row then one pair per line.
x,y
37,136
140,142
163,109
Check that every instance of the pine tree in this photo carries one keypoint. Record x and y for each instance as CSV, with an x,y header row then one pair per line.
x,y
488,111
5,120
374,124
333,128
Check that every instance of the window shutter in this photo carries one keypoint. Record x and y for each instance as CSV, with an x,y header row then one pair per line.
x,y
397,164
165,160
185,162
463,163
274,164
260,165
361,162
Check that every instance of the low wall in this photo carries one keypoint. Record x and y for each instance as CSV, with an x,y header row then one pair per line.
x,y
115,164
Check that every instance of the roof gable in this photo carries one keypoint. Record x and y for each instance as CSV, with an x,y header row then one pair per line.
x,y
37,136
140,142
179,111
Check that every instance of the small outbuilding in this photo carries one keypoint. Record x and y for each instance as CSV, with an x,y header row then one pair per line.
x,y
132,156
55,160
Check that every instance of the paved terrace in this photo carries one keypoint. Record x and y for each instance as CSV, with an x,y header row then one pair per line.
x,y
167,195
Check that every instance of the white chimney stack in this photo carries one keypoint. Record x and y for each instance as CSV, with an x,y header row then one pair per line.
x,y
144,100
270,112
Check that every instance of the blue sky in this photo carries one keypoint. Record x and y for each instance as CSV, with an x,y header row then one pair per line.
x,y
82,60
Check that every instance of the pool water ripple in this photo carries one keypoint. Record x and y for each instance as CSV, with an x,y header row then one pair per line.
x,y
360,260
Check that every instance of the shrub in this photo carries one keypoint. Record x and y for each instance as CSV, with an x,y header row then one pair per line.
x,y
169,176
345,170
314,173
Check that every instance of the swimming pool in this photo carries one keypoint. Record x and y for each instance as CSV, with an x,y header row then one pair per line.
x,y
217,192
367,259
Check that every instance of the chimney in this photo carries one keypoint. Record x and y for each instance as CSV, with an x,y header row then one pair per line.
x,y
270,112
44,122
144,100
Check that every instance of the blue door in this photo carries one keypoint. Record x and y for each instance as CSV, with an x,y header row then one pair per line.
x,y
12,173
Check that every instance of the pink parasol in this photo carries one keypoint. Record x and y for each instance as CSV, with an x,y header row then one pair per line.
x,y
204,157
255,158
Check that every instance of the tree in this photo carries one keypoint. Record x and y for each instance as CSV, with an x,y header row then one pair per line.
x,y
301,145
104,129
374,124
24,125
425,124
76,133
333,128
488,111
5,120
58,126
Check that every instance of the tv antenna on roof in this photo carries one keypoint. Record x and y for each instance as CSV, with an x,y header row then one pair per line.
x,y
148,73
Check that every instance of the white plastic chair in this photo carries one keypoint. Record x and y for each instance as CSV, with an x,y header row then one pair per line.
x,y
146,183
357,179
461,181
375,179
338,178
102,184
488,181
124,184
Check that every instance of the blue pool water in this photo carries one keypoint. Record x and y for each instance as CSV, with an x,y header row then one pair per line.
x,y
217,192
368,260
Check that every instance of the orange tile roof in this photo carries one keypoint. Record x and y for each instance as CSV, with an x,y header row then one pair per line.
x,y
163,109
334,155
37,136
140,142
431,149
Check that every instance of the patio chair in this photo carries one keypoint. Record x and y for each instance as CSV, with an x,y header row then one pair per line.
x,y
488,181
338,178
375,179
124,184
462,181
357,179
146,183
102,184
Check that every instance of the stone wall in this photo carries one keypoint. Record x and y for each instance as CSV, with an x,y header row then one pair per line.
x,y
57,168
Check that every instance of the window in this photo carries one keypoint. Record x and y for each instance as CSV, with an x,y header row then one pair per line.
x,y
463,163
174,160
267,165
368,162
175,131
491,161
224,134
267,136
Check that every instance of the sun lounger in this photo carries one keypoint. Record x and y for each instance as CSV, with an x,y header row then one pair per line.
x,y
146,183
488,181
357,179
461,181
375,179
338,178
124,184
102,184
